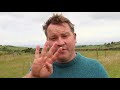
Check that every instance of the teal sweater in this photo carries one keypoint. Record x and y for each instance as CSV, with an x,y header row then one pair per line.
x,y
79,67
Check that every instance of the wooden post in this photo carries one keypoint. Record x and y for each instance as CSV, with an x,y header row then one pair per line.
x,y
97,52
105,51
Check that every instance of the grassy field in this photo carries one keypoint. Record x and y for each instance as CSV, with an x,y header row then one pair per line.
x,y
16,66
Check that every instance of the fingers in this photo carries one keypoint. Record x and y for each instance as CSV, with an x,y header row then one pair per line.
x,y
54,57
37,52
52,54
41,58
41,61
44,51
52,50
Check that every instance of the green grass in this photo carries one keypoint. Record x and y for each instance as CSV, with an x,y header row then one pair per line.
x,y
16,66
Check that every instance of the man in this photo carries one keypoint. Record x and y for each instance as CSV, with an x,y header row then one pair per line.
x,y
58,58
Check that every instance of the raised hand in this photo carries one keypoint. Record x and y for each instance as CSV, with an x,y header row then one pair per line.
x,y
42,64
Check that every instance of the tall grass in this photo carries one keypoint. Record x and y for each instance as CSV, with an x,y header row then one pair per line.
x,y
16,66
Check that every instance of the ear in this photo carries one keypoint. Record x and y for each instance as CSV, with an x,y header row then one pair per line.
x,y
75,37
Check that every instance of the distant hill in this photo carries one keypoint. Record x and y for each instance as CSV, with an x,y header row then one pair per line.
x,y
10,47
112,45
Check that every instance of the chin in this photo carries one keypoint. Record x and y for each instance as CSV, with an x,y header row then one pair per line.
x,y
62,59
62,56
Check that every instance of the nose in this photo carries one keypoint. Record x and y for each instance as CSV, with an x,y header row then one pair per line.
x,y
60,42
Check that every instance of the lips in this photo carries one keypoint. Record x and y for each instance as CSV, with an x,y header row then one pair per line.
x,y
64,49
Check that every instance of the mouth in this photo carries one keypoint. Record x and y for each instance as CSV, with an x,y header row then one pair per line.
x,y
63,51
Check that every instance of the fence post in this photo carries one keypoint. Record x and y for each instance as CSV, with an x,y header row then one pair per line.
x,y
97,52
105,51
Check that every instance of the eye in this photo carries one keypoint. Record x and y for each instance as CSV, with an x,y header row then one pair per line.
x,y
53,39
64,36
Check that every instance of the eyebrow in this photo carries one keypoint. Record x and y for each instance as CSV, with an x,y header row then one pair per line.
x,y
61,33
65,33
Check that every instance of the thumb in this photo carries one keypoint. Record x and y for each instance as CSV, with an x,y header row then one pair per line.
x,y
49,67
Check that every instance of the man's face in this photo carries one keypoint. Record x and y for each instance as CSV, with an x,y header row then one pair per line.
x,y
62,35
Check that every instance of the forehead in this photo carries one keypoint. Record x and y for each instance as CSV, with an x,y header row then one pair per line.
x,y
52,28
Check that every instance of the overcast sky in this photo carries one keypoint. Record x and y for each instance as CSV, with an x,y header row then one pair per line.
x,y
25,28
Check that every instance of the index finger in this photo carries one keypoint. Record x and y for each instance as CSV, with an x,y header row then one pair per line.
x,y
37,54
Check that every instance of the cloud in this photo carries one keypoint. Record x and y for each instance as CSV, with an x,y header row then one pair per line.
x,y
99,33
25,28
106,15
21,28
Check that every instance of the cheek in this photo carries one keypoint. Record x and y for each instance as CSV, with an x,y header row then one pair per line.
x,y
71,43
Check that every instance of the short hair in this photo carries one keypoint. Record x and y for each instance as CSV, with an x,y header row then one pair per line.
x,y
57,19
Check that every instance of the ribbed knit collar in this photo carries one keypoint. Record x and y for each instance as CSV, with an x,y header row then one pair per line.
x,y
72,62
